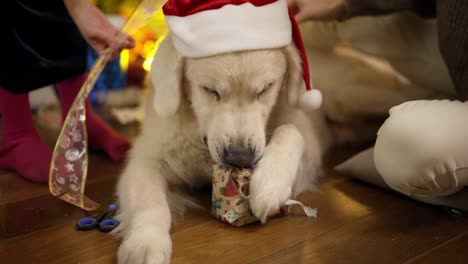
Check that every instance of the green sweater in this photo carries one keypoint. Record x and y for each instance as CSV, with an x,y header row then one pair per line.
x,y
452,20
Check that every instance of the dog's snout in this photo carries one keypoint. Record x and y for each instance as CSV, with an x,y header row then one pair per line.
x,y
239,157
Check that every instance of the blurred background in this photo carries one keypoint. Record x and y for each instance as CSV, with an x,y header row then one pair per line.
x,y
119,93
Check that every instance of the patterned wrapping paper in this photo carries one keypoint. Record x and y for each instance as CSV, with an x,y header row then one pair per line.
x,y
230,198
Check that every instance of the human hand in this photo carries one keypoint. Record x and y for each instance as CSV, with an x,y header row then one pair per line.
x,y
95,27
317,9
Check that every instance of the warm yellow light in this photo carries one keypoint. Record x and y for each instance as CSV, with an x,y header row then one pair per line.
x,y
147,64
124,60
149,59
157,27
147,47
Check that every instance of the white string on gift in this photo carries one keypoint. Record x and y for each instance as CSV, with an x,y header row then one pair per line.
x,y
309,211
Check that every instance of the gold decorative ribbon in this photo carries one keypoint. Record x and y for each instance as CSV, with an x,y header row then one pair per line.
x,y
69,166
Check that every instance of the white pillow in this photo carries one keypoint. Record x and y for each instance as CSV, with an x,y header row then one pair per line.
x,y
361,166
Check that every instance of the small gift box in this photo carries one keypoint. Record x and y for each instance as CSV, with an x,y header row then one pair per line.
x,y
231,195
230,198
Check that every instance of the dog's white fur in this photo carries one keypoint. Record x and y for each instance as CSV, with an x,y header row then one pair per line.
x,y
170,153
347,64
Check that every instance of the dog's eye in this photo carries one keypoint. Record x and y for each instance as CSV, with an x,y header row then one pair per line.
x,y
213,92
264,90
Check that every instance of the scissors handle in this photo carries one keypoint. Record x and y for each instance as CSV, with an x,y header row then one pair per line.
x,y
89,223
108,225
86,224
104,222
108,222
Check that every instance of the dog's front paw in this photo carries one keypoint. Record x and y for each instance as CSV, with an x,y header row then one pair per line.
x,y
145,246
268,192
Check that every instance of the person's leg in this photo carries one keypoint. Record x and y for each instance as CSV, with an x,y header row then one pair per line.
x,y
452,23
100,135
422,148
21,148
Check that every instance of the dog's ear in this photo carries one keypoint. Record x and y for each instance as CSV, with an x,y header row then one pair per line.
x,y
295,85
166,78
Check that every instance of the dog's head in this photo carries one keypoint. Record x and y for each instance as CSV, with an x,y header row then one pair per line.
x,y
231,95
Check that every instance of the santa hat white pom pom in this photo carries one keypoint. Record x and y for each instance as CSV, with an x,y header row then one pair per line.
x,y
311,99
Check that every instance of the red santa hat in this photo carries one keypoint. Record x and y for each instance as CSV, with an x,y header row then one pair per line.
x,y
202,28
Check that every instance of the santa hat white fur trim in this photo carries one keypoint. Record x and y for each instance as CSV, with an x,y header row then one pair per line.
x,y
231,28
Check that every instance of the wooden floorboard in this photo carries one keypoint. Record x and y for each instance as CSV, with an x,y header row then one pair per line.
x,y
356,223
453,251
383,237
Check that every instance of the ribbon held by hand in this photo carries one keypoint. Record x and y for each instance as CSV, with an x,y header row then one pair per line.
x,y
69,165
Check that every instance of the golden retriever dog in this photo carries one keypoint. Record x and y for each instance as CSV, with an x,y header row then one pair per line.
x,y
240,109
237,109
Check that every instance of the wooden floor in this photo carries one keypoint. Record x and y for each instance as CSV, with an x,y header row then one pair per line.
x,y
357,223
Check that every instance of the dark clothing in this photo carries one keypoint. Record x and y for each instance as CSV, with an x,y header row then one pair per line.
x,y
452,21
425,8
453,40
40,45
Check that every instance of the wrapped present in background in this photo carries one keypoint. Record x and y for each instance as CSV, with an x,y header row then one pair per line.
x,y
231,195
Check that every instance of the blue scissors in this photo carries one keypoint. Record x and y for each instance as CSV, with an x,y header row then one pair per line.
x,y
103,222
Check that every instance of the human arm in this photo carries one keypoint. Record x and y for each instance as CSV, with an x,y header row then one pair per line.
x,y
94,26
344,9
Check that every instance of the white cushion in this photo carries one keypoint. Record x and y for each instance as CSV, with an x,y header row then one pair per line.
x,y
361,166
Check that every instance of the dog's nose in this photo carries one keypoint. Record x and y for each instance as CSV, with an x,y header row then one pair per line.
x,y
239,157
